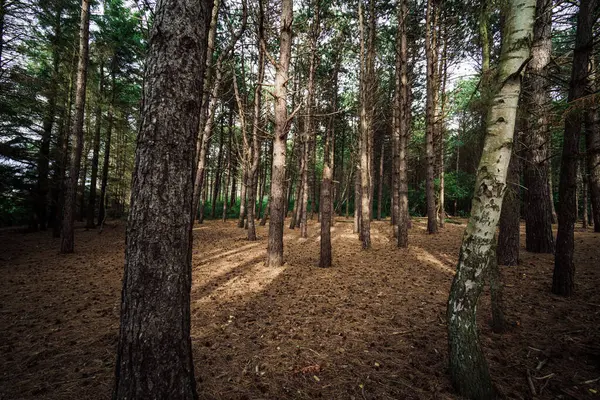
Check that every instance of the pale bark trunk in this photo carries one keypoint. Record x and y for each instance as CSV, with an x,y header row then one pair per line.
x,y
563,280
468,368
154,353
278,204
67,244
365,133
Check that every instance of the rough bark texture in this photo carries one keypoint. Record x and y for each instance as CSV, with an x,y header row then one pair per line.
x,y
563,281
365,137
510,229
468,367
278,203
67,243
430,48
538,214
403,107
154,356
592,144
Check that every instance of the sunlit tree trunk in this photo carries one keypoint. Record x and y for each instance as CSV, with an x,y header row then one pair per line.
x,y
67,244
468,367
563,281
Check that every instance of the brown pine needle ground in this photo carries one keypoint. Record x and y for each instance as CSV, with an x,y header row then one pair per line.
x,y
371,327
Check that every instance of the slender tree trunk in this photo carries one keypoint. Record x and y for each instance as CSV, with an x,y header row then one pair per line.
x,y
403,107
430,48
365,132
538,215
563,281
256,125
468,367
67,244
584,195
106,162
47,125
278,205
551,196
380,188
510,229
218,175
592,144
91,206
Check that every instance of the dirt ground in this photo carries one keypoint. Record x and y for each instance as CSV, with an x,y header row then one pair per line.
x,y
371,327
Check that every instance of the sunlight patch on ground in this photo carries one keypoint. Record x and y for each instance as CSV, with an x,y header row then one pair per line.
x,y
429,259
252,281
219,254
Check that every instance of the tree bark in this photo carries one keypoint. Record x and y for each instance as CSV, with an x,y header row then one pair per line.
x,y
510,230
563,280
468,367
430,48
67,244
91,206
403,106
106,161
282,121
154,354
538,215
592,144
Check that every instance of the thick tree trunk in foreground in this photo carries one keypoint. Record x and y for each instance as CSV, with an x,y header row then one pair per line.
x,y
468,367
563,280
67,243
538,214
154,355
278,203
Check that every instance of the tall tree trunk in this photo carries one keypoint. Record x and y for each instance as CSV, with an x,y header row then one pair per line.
x,y
403,113
106,161
67,244
380,187
218,172
155,306
468,368
592,144
278,205
584,195
563,280
365,133
47,126
510,229
430,49
538,228
442,127
91,206
256,126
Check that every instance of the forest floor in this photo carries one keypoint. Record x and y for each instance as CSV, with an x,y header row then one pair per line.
x,y
371,327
